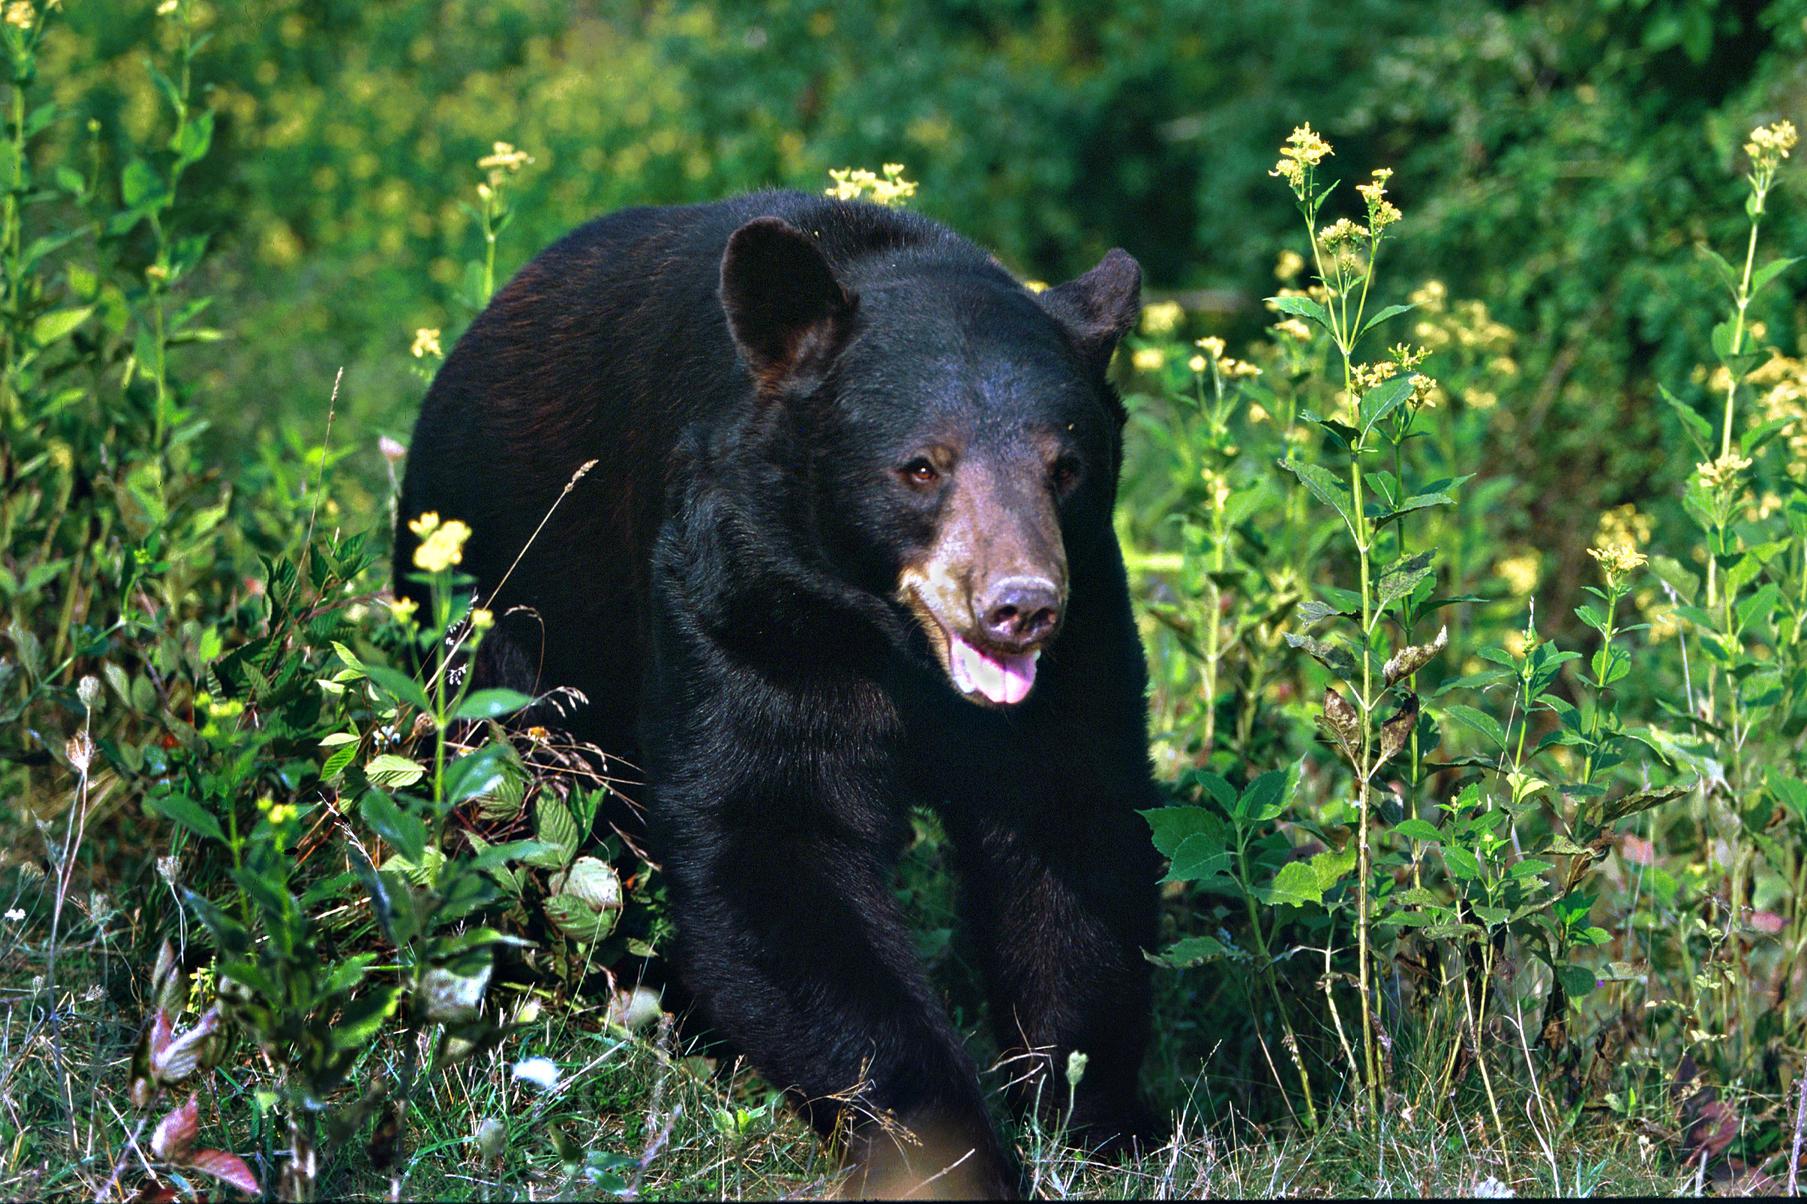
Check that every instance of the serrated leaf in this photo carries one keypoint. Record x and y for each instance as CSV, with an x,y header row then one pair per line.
x,y
1323,486
175,1134
227,1168
578,920
1462,863
1527,866
1401,579
405,833
1294,886
1383,399
554,824
1198,857
1381,315
1267,795
1417,829
1192,951
1172,826
1577,981
594,881
393,771
399,686
362,1018
1302,307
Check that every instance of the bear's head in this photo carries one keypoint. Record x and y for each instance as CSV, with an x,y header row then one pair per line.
x,y
957,433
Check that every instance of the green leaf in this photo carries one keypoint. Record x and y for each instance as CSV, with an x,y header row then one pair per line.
x,y
1419,830
1792,792
1302,307
478,773
554,824
1769,271
1333,657
1698,429
1267,796
1404,577
491,704
1198,857
1383,399
1192,951
405,833
1462,863
1379,316
1294,886
190,814
391,770
1480,721
1172,826
399,686
1577,981
362,1018
58,323
1325,487
1528,866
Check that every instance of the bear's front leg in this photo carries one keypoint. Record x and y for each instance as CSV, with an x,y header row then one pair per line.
x,y
1060,899
792,942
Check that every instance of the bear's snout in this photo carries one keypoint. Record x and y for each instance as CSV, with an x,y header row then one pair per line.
x,y
1018,613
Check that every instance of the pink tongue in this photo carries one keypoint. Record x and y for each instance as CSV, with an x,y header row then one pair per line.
x,y
1002,679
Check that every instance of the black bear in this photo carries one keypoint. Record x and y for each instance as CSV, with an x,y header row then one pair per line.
x,y
847,549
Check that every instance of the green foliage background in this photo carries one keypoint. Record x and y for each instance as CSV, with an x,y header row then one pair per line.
x,y
194,632
1562,157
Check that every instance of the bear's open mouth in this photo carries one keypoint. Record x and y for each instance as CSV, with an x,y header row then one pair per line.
x,y
981,674
1000,677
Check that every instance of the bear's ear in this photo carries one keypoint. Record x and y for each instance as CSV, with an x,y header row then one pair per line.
x,y
1099,307
786,310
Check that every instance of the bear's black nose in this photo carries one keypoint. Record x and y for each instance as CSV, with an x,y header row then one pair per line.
x,y
1019,612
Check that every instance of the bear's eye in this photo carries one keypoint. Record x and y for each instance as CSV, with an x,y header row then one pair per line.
x,y
1065,473
921,472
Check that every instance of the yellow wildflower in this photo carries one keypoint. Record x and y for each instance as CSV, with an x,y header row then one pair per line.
x,y
441,542
1617,559
1430,296
1148,359
503,159
1289,265
1258,413
1293,328
1624,525
859,183
1217,488
1342,232
1036,286
1381,212
21,15
1237,369
1481,399
1211,345
1198,363
1770,144
403,609
1407,356
1367,376
482,618
426,344
1723,472
1160,317
1520,573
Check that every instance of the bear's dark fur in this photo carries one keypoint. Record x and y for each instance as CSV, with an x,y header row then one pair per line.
x,y
853,480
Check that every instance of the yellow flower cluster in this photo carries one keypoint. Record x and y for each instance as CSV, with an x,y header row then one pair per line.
x,y
441,542
21,14
1293,328
1622,531
1770,144
1341,233
1217,488
1783,398
426,344
503,159
403,609
1617,559
1230,369
1161,317
1147,359
1381,212
1520,573
1288,266
884,187
1624,525
1723,472
1304,149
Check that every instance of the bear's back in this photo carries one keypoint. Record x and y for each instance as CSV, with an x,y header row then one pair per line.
x,y
605,348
